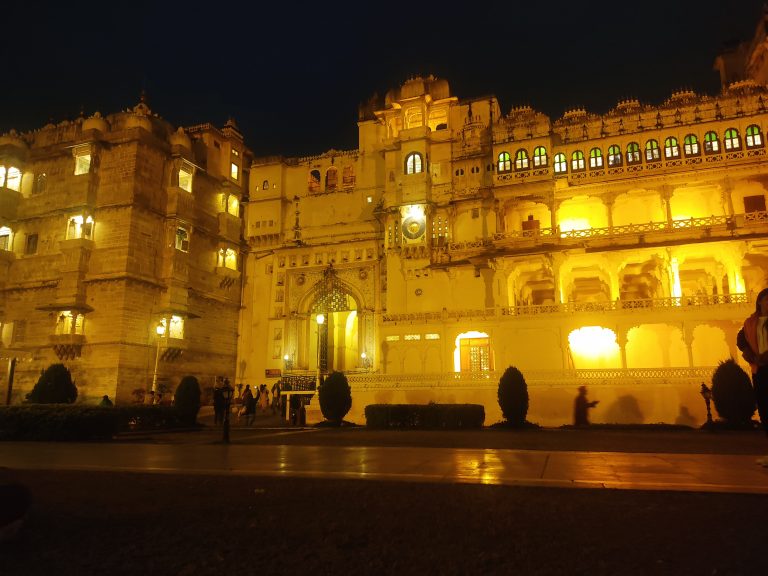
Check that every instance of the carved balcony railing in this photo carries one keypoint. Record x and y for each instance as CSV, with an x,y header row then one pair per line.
x,y
642,377
645,304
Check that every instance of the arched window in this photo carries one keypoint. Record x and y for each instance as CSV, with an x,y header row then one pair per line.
x,y
505,162
413,163
731,139
331,179
314,180
348,176
539,157
41,183
754,137
13,179
633,153
671,148
711,143
265,185
691,145
561,166
614,155
521,160
577,161
652,153
595,158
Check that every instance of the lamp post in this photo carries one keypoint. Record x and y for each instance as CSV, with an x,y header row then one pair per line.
x,y
320,321
706,393
287,363
365,361
160,329
227,393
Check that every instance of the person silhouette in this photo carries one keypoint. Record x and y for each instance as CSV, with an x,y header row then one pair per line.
x,y
581,408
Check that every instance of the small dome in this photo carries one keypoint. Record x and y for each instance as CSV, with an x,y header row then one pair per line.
x,y
95,122
180,138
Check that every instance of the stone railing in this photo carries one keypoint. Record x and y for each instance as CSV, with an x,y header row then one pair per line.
x,y
548,235
646,304
535,378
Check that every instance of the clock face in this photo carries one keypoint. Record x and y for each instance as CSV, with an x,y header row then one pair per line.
x,y
413,228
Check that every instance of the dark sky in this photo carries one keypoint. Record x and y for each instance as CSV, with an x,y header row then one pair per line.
x,y
292,75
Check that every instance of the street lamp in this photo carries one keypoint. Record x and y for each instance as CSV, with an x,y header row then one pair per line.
x,y
160,329
365,361
287,362
706,393
226,391
320,321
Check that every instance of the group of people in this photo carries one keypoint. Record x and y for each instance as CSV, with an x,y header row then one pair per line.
x,y
248,403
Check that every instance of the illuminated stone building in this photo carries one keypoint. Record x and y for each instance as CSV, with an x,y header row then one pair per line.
x,y
621,251
119,252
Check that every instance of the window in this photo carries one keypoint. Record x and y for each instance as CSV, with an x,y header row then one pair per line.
x,y
5,238
577,161
754,203
69,322
671,148
235,152
691,145
731,139
614,155
331,179
521,160
633,153
314,180
754,138
233,206
234,171
182,239
652,153
80,227
227,258
505,162
595,158
561,166
539,157
30,247
413,163
348,176
41,183
82,163
13,179
711,143
185,178
265,185
172,329
460,172
2,175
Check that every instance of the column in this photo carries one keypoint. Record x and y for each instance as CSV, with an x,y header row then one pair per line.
x,y
621,340
688,339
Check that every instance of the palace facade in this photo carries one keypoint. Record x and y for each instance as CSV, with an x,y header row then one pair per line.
x,y
120,241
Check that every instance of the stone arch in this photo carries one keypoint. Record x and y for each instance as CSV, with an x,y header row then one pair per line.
x,y
656,346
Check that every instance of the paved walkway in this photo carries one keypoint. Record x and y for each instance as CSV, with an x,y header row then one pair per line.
x,y
646,471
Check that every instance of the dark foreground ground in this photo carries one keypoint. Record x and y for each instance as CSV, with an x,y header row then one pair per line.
x,y
85,523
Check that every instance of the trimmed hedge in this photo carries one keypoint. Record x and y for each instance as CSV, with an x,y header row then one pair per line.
x,y
424,415
64,422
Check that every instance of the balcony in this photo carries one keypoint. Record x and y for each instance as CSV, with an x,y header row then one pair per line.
x,y
67,346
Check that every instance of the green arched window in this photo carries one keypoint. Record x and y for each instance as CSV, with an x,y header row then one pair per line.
x,y
754,137
505,162
577,161
671,148
414,163
614,155
731,140
691,145
633,153
711,143
561,165
539,156
521,160
595,158
652,153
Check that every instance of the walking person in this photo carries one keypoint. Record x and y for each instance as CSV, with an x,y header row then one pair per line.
x,y
249,406
263,398
752,340
581,407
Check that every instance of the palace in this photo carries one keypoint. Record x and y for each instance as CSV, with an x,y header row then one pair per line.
x,y
621,251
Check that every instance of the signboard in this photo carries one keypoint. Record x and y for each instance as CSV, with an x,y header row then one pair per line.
x,y
273,373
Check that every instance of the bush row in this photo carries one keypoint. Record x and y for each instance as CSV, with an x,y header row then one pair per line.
x,y
424,415
83,423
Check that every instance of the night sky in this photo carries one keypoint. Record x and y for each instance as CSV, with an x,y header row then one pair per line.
x,y
292,75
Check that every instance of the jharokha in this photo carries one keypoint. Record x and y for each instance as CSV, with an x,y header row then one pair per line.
x,y
622,251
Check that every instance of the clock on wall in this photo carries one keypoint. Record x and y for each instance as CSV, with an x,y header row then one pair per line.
x,y
414,227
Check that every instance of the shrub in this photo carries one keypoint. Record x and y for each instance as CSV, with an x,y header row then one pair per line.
x,y
732,393
424,415
513,396
335,397
55,386
187,399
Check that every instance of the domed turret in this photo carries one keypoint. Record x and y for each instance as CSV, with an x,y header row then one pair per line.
x,y
96,122
180,138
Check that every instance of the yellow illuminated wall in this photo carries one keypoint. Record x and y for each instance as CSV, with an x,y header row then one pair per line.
x,y
656,346
594,347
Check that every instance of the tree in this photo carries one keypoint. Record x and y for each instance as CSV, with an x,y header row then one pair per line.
x,y
55,386
187,398
335,397
513,396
